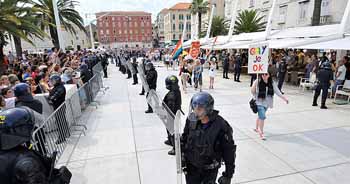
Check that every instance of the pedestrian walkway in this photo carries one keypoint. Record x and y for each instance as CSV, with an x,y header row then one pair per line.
x,y
305,145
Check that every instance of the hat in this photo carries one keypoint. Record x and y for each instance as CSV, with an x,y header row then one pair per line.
x,y
21,89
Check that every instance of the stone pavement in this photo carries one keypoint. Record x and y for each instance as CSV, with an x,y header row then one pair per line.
x,y
305,145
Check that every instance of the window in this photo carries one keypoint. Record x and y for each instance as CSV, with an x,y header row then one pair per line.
x,y
136,24
303,9
113,18
125,24
107,32
188,27
125,31
113,24
101,32
136,31
142,24
174,27
130,24
130,31
181,26
120,31
283,14
188,17
325,8
181,17
101,24
173,16
180,37
106,24
119,24
174,37
251,3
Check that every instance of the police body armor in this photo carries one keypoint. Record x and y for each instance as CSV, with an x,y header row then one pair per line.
x,y
43,170
202,145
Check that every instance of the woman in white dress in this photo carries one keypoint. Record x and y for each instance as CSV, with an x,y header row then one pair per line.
x,y
212,73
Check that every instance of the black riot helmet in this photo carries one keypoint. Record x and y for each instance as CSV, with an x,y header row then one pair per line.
x,y
149,66
171,82
201,100
16,127
326,65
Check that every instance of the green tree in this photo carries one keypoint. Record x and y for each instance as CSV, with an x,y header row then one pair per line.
x,y
12,24
69,17
200,7
220,26
249,21
317,13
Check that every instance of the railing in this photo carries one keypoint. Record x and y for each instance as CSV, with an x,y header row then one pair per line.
x,y
52,136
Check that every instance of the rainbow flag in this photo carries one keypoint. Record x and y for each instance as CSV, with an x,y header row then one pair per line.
x,y
177,50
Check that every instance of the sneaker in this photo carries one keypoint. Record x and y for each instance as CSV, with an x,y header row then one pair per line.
x,y
171,152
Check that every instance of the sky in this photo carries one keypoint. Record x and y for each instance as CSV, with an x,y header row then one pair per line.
x,y
150,6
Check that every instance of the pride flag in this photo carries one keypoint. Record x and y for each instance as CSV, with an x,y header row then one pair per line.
x,y
177,50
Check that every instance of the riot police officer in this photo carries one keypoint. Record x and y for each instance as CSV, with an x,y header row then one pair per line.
x,y
104,62
57,96
19,163
134,75
324,77
173,100
151,78
207,140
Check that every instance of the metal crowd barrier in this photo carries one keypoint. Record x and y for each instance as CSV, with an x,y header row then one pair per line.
x,y
52,136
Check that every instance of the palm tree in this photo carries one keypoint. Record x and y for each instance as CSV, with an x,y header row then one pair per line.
x,y
69,17
249,21
200,7
317,13
11,24
219,26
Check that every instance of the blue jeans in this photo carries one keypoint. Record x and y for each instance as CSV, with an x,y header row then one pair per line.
x,y
336,84
262,112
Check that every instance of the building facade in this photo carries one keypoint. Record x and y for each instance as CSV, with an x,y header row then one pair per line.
x,y
174,23
159,27
292,13
124,29
70,41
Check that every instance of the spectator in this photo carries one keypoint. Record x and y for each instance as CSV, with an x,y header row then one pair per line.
x,y
13,80
347,65
5,81
340,76
198,79
212,73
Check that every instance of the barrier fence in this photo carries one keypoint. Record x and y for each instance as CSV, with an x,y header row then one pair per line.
x,y
52,135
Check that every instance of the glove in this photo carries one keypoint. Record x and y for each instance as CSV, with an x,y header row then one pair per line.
x,y
224,180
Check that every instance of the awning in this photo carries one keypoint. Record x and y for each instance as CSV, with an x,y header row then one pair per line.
x,y
338,44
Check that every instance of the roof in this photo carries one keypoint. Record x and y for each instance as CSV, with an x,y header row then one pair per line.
x,y
128,13
181,6
164,10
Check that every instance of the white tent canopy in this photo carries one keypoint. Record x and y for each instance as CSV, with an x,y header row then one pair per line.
x,y
338,44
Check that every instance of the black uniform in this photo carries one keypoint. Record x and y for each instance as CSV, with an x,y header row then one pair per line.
x,y
225,66
134,76
173,100
324,76
238,68
57,97
104,62
205,146
151,78
282,70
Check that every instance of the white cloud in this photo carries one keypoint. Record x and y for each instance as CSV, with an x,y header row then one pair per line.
x,y
151,6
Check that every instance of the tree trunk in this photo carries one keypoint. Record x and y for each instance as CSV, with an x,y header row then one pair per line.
x,y
199,24
18,46
54,37
317,13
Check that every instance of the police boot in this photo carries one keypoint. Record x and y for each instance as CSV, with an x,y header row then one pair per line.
x,y
171,152
167,142
323,106
315,102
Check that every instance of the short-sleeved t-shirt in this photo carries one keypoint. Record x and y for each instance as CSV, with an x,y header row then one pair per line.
x,y
342,75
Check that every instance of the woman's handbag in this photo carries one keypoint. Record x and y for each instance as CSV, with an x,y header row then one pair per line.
x,y
253,105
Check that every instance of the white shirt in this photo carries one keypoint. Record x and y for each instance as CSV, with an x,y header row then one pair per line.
x,y
342,75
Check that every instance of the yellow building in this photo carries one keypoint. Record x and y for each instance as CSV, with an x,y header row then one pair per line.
x,y
174,23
